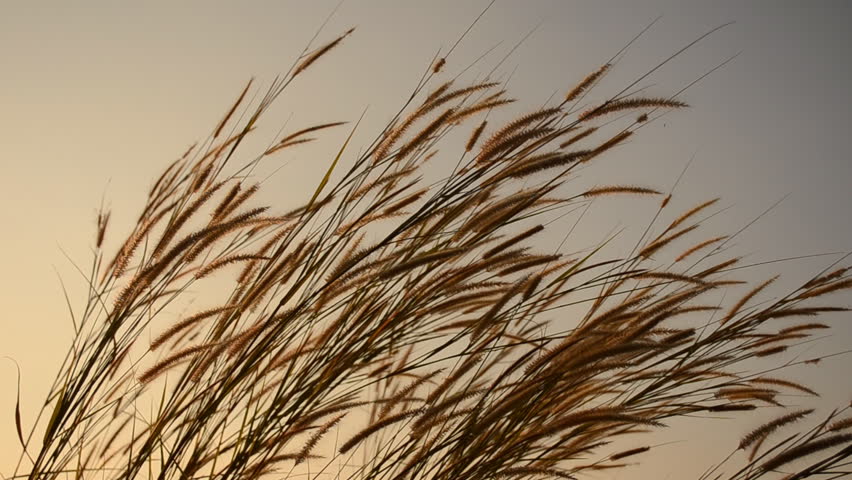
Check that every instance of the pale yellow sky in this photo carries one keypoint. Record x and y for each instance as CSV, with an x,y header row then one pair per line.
x,y
97,97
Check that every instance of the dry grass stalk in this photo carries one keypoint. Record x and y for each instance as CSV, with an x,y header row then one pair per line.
x,y
630,104
746,298
233,109
372,429
474,136
187,323
690,213
661,242
576,138
615,189
699,246
305,452
333,313
586,83
439,64
768,428
309,60
628,453
840,425
805,450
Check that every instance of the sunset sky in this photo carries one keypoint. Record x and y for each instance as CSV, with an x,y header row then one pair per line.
x,y
97,97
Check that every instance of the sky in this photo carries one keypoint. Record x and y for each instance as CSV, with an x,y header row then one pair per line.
x,y
97,97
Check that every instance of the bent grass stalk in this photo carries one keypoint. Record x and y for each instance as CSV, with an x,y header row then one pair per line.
x,y
437,321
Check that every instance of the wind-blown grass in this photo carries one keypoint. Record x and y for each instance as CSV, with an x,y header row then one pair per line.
x,y
405,321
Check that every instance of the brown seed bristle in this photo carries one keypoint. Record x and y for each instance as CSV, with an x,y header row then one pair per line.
x,y
533,471
677,277
576,138
839,425
291,143
825,278
698,247
802,327
305,452
421,427
691,212
731,407
233,109
433,103
798,312
424,134
471,142
303,131
231,206
630,104
628,453
540,163
528,263
611,143
175,226
717,268
163,365
103,221
420,261
615,189
201,178
658,244
389,179
370,430
784,383
581,87
520,123
513,241
491,150
767,428
406,392
438,92
223,262
833,287
806,449
362,222
470,362
188,322
745,299
771,351
439,65
318,53
482,106
125,254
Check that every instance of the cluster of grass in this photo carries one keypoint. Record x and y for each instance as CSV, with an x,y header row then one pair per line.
x,y
394,328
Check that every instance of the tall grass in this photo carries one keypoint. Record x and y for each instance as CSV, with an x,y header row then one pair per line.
x,y
395,328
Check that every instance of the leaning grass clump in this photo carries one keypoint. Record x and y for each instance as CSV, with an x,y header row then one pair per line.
x,y
394,328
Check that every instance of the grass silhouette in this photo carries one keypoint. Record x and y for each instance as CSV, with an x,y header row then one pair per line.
x,y
396,328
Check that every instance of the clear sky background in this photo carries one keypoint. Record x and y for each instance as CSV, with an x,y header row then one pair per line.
x,y
96,97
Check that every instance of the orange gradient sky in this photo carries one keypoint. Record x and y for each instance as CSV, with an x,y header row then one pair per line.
x,y
97,97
